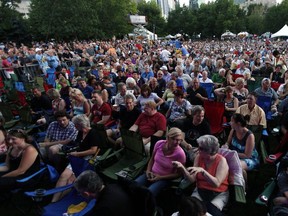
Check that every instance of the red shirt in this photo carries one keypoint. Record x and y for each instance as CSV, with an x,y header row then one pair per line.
x,y
99,112
202,181
148,125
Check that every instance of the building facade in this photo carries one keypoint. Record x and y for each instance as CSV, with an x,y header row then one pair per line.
x,y
166,6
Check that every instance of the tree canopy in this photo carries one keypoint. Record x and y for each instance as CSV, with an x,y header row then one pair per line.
x,y
103,19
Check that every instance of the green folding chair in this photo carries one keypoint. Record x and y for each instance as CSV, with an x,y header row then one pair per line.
x,y
131,160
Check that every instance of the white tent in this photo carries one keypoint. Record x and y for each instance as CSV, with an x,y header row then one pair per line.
x,y
282,32
243,34
228,34
169,37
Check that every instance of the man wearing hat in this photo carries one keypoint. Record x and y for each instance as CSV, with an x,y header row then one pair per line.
x,y
166,74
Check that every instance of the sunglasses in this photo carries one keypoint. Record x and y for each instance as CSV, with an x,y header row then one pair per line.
x,y
12,132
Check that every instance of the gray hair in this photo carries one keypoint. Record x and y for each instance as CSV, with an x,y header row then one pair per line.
x,y
82,120
130,80
129,96
88,181
120,85
197,109
210,143
174,74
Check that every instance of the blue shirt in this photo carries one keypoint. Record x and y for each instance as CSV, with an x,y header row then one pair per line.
x,y
57,133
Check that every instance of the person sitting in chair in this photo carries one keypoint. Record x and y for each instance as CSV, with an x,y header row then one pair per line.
x,y
149,123
86,148
21,161
160,169
210,172
59,133
112,199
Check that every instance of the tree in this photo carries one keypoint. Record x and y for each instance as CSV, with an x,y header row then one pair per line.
x,y
63,20
255,18
113,15
276,15
80,19
12,24
153,14
182,19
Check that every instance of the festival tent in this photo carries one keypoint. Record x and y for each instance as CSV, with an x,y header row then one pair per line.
x,y
228,34
169,37
243,34
282,32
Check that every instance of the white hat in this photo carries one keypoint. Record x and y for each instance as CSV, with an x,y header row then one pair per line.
x,y
163,68
38,49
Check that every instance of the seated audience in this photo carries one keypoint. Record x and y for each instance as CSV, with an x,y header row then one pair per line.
x,y
87,146
84,88
150,122
179,109
210,172
22,160
195,127
127,118
112,199
79,103
256,113
147,95
59,133
242,140
266,90
196,94
160,168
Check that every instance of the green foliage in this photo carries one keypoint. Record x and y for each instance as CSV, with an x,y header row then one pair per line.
x,y
80,19
153,14
255,18
12,24
276,17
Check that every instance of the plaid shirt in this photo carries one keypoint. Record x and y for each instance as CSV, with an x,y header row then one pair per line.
x,y
57,133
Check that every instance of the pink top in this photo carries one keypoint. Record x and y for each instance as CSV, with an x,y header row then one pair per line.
x,y
163,163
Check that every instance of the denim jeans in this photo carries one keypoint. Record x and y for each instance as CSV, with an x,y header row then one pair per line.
x,y
154,187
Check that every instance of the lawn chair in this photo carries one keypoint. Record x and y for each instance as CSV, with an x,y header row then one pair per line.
x,y
214,112
209,89
130,161
58,208
10,119
265,103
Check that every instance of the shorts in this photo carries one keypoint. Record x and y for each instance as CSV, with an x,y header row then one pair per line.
x,y
219,201
251,164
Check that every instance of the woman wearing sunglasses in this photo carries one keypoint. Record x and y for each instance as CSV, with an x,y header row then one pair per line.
x,y
210,172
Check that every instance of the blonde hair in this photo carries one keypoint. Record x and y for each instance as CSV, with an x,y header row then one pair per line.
x,y
151,104
239,80
173,132
73,92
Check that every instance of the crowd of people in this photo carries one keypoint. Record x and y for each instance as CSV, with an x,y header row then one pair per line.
x,y
154,89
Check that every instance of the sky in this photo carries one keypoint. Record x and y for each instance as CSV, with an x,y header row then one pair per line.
x,y
186,2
